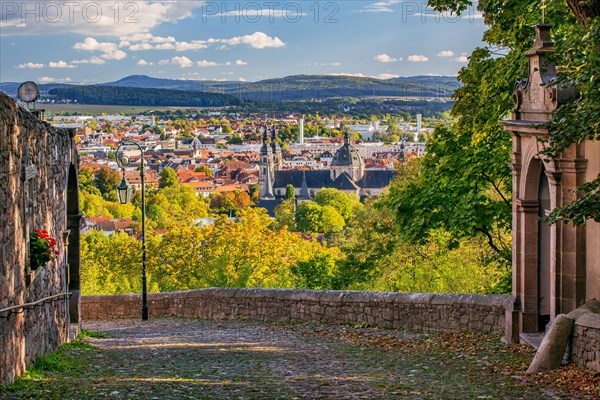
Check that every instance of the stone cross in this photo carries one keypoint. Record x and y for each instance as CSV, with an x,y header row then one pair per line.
x,y
543,11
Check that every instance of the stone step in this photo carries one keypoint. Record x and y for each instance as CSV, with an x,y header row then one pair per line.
x,y
532,339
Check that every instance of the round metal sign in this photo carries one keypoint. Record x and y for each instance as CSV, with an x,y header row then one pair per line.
x,y
28,91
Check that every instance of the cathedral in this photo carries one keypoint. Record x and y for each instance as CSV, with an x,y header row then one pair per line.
x,y
346,173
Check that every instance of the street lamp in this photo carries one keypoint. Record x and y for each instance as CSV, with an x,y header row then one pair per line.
x,y
125,192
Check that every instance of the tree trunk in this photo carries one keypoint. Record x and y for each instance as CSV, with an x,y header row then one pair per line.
x,y
584,10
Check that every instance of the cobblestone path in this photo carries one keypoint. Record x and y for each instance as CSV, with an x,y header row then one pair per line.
x,y
174,358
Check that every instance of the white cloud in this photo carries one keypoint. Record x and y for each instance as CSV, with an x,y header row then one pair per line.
x,y
30,65
242,79
254,15
110,50
240,62
91,44
182,61
387,76
461,59
163,62
165,46
91,60
147,41
445,53
141,46
193,45
49,79
144,62
114,55
205,63
60,64
320,64
103,18
258,40
417,58
381,6
384,58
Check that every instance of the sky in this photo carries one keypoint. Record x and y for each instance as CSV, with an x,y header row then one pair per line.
x,y
80,41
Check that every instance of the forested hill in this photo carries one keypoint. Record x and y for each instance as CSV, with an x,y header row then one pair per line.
x,y
146,90
301,87
135,96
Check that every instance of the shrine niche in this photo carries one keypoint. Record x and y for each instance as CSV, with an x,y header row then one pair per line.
x,y
556,268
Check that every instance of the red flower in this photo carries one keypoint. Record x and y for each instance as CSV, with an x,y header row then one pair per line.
x,y
42,246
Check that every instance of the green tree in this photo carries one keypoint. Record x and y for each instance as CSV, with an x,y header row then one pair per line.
x,y
577,40
177,204
254,191
86,181
317,273
285,215
106,181
311,217
343,203
235,139
205,169
290,193
168,177
308,217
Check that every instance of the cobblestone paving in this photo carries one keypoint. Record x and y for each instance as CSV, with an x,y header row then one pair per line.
x,y
173,358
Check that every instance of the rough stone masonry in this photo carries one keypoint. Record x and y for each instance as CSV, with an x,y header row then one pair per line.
x,y
35,160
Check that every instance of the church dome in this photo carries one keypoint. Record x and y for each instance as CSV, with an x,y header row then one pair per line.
x,y
347,155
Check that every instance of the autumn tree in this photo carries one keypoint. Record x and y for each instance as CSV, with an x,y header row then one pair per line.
x,y
168,177
285,215
87,181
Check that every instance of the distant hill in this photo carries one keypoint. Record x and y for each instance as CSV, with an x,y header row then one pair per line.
x,y
144,81
135,96
10,88
301,87
290,88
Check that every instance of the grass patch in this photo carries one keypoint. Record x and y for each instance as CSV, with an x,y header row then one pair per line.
x,y
63,361
89,334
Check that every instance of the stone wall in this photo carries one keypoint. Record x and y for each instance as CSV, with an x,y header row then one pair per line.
x,y
586,341
34,163
452,312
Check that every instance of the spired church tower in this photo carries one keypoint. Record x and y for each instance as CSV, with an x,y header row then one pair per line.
x,y
347,159
271,160
276,151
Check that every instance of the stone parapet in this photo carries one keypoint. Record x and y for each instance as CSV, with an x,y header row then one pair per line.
x,y
586,341
451,312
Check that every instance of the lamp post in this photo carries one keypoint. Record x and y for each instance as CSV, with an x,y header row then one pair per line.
x,y
125,193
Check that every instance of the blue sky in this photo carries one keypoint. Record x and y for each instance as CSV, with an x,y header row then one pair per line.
x,y
98,41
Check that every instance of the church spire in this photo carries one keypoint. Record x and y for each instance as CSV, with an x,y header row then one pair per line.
x,y
268,189
304,193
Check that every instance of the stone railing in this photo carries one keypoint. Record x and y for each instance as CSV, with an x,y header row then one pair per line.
x,y
453,312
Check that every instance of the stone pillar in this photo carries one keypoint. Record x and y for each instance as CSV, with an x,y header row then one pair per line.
x,y
572,249
528,241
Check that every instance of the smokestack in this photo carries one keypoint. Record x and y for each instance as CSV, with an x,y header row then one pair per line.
x,y
301,130
418,127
